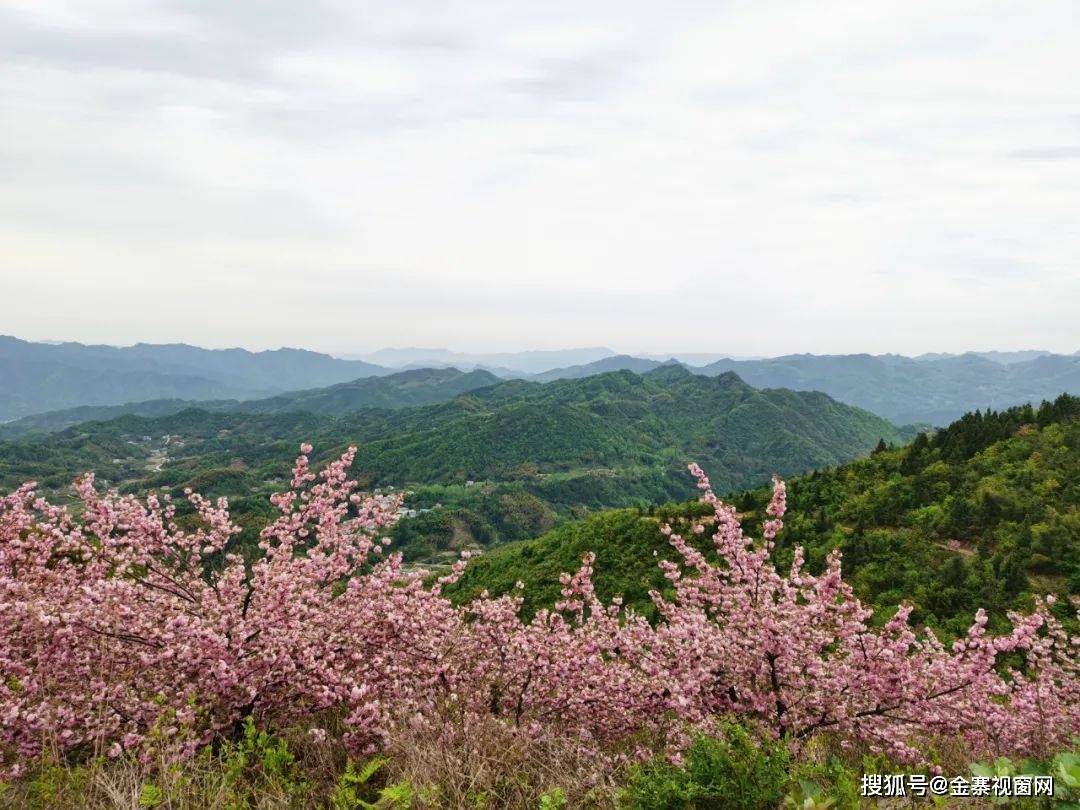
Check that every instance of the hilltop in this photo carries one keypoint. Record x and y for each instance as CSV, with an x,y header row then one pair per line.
x,y
404,389
929,389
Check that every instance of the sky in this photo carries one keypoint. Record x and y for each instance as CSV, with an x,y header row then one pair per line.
x,y
753,178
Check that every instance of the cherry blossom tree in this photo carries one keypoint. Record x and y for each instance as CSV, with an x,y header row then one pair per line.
x,y
122,631
795,654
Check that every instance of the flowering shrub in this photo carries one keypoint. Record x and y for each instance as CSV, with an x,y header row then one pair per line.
x,y
733,770
795,654
121,631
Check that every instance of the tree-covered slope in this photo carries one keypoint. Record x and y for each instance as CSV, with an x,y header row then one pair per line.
x,y
628,547
54,421
983,513
401,390
514,457
612,422
608,421
404,389
929,389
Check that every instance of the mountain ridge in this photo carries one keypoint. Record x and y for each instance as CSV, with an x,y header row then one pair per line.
x,y
567,442
390,391
901,389
38,377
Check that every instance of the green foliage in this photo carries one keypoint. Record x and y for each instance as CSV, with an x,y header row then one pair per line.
x,y
985,513
733,771
150,795
553,800
355,789
1064,768
53,784
261,761
398,795
354,780
817,787
511,460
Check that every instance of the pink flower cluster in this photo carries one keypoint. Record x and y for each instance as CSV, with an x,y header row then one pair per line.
x,y
795,654
122,631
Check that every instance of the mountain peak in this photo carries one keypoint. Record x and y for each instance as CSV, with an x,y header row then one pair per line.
x,y
731,380
669,371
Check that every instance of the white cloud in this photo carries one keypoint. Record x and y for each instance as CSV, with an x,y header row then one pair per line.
x,y
347,76
753,177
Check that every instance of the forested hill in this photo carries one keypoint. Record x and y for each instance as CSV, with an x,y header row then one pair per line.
x,y
619,362
985,512
620,420
931,389
536,453
425,386
401,390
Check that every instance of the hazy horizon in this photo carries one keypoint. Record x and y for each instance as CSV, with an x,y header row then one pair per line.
x,y
751,178
602,351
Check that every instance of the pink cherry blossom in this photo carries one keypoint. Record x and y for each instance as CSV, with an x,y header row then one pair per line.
x,y
120,631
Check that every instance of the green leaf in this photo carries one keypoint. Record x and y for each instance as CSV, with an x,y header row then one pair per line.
x,y
1067,769
150,795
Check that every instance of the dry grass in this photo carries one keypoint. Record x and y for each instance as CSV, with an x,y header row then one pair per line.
x,y
253,775
128,785
490,764
485,764
482,766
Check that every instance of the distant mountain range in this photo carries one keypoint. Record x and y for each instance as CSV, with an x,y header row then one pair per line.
x,y
506,364
998,357
401,390
904,390
38,379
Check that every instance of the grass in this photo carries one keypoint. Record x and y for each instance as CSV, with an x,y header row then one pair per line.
x,y
487,764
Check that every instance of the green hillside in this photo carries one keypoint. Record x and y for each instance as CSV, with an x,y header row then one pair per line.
x,y
929,389
405,389
424,386
513,458
620,420
983,513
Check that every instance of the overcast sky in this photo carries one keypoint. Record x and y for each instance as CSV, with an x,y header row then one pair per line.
x,y
746,177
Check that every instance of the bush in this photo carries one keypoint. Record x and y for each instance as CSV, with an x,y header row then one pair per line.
x,y
731,771
1064,768
820,786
